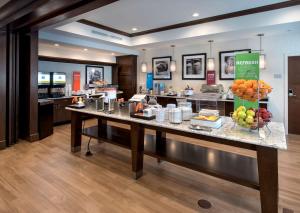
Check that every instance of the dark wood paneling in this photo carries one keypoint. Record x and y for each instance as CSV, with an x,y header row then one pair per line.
x,y
127,75
137,133
267,159
15,9
103,27
3,76
55,11
45,120
61,115
294,100
28,86
198,21
73,61
76,125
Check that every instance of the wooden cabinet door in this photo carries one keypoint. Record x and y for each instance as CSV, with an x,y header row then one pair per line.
x,y
294,95
127,74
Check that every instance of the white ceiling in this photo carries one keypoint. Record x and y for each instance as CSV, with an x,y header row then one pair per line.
x,y
149,14
77,48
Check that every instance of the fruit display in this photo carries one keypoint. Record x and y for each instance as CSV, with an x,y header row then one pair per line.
x,y
250,90
251,118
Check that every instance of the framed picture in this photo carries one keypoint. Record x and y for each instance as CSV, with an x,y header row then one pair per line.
x,y
227,63
93,74
161,68
194,66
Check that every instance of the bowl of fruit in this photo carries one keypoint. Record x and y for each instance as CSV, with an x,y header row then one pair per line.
x,y
250,90
251,118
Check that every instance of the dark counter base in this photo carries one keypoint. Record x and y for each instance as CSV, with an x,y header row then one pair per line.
x,y
232,167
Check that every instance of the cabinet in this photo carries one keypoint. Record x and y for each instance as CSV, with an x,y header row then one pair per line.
x,y
61,115
45,118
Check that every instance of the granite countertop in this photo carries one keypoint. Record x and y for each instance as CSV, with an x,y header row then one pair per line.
x,y
276,139
63,97
45,101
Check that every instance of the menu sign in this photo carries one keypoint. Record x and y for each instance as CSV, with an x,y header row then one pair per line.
x,y
59,78
211,77
43,78
247,68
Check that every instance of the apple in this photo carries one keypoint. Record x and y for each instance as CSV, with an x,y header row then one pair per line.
x,y
242,114
249,119
250,112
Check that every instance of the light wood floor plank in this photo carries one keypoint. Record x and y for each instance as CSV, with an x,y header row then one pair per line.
x,y
46,177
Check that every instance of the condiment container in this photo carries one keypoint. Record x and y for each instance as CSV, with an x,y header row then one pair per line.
x,y
160,115
175,116
187,113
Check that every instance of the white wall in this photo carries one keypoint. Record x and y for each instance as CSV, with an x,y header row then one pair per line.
x,y
47,66
275,48
65,51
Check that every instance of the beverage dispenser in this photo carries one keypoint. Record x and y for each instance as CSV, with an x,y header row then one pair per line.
x,y
43,85
58,84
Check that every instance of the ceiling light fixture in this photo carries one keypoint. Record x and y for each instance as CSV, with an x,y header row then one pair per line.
x,y
173,62
195,14
134,29
85,49
262,57
57,45
144,64
210,60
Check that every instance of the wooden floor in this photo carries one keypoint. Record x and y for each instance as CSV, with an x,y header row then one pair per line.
x,y
45,177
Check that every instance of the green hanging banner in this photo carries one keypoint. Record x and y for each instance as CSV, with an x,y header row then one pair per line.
x,y
246,68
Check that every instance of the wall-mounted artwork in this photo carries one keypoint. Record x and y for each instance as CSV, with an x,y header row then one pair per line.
x,y
161,68
227,63
194,66
94,75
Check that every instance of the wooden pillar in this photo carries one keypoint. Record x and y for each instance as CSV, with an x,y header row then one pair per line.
x,y
102,127
137,149
267,159
28,84
76,126
3,90
160,143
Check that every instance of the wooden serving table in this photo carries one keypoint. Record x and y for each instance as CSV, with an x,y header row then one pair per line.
x,y
259,173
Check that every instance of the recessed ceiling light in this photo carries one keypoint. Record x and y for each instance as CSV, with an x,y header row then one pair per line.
x,y
57,45
195,14
85,49
134,29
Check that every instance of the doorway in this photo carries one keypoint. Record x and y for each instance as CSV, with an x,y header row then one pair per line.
x,y
293,94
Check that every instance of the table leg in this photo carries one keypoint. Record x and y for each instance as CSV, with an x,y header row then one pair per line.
x,y
102,127
267,159
160,143
137,149
76,126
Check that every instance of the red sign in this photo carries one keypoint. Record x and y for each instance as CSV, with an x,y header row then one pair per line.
x,y
76,81
211,77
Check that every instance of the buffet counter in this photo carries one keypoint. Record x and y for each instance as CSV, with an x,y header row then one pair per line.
x,y
259,173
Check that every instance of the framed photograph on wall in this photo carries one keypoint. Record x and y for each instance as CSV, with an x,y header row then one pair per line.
x,y
93,74
227,63
161,68
194,66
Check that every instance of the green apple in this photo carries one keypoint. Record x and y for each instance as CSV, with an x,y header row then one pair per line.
x,y
242,114
250,112
249,119
241,108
